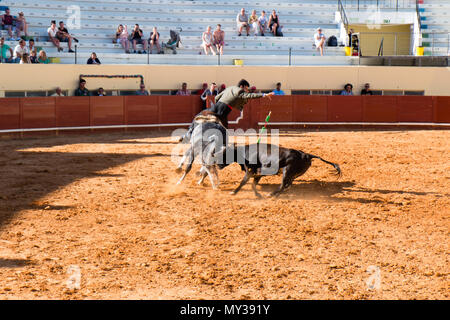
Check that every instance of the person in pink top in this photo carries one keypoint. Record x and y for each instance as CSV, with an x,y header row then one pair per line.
x,y
122,37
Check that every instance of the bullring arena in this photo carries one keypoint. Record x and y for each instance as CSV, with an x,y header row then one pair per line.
x,y
108,204
90,207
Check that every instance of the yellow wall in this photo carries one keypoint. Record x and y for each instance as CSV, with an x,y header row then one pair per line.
x,y
46,77
371,39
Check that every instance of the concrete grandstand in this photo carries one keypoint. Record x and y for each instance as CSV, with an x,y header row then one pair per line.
x,y
99,21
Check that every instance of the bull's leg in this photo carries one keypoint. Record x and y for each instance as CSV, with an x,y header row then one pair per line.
x,y
248,175
255,182
188,166
288,178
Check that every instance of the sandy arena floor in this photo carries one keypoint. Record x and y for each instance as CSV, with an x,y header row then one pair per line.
x,y
105,205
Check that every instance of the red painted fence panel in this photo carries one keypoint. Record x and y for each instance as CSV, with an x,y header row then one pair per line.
x,y
72,111
310,108
142,109
38,112
441,109
107,111
9,113
345,109
379,108
415,109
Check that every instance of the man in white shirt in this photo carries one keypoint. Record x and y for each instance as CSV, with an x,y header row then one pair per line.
x,y
58,93
52,31
19,50
242,22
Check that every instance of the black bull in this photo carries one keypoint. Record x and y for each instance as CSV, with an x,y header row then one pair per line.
x,y
256,160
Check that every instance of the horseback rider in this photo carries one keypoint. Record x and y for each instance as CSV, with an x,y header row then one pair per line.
x,y
234,97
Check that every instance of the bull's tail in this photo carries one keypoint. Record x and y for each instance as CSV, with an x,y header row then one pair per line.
x,y
335,165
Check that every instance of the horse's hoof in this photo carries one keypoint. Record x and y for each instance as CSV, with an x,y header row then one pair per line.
x,y
178,170
233,193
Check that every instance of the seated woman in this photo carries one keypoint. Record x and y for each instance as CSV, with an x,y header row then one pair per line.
x,y
93,59
274,24
122,37
319,40
43,57
154,41
207,41
21,25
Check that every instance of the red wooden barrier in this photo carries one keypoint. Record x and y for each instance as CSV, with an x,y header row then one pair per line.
x,y
10,113
441,106
379,108
345,109
26,113
179,109
415,109
72,111
107,111
142,109
38,112
310,108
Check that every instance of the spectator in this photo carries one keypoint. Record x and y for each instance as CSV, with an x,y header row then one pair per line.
x,y
33,56
274,24
4,48
136,38
63,35
212,91
25,58
219,39
207,41
7,23
154,40
82,91
93,59
142,91
21,25
262,23
253,89
366,91
58,93
203,89
253,22
184,91
100,92
347,90
19,50
52,31
222,88
31,45
122,37
350,32
319,40
278,91
43,57
242,22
